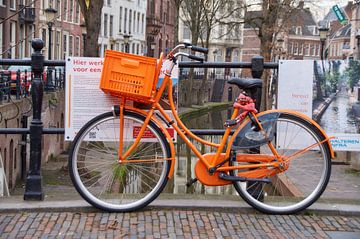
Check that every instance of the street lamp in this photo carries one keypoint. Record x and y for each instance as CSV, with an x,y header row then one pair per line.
x,y
50,18
126,42
323,31
83,33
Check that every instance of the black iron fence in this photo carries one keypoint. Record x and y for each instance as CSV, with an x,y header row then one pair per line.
x,y
33,187
17,75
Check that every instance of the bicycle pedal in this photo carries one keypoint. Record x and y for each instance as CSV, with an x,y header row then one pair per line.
x,y
191,182
229,123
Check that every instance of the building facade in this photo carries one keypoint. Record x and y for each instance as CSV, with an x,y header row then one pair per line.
x,y
28,20
160,27
123,26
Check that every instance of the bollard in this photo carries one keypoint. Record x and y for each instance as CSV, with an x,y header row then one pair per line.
x,y
33,187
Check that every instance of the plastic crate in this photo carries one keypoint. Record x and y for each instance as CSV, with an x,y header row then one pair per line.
x,y
129,76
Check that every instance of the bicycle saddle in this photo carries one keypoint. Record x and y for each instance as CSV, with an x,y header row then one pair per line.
x,y
246,83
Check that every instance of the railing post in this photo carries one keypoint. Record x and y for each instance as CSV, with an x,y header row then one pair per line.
x,y
33,188
257,66
18,86
2,87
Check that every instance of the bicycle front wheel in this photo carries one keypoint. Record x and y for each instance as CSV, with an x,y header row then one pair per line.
x,y
307,175
115,186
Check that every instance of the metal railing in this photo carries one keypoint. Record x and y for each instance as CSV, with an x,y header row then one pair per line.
x,y
33,187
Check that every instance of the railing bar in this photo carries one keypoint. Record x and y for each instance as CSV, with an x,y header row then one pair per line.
x,y
184,64
62,131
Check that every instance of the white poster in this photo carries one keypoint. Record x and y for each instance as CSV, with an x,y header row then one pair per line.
x,y
326,92
85,100
295,86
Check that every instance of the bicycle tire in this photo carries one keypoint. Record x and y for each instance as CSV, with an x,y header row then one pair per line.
x,y
112,186
305,179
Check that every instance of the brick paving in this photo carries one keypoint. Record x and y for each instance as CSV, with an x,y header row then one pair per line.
x,y
172,224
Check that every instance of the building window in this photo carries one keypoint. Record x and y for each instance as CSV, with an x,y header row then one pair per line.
x,y
120,19
130,17
71,12
138,23
77,46
134,25
57,44
71,45
65,10
312,50
105,25
11,51
317,50
296,48
65,46
111,31
152,6
142,23
125,20
77,12
109,3
13,4
307,50
301,48
291,48
298,30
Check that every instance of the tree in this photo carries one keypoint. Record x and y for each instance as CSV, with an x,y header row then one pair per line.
x,y
353,72
201,18
273,20
91,10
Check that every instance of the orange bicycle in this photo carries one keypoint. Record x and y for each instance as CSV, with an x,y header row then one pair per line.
x,y
120,161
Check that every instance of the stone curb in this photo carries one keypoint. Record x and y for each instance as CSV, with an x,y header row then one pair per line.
x,y
163,204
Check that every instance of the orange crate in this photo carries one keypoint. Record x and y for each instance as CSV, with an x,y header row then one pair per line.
x,y
129,76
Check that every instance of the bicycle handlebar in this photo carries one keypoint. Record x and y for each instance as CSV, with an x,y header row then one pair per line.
x,y
199,49
196,58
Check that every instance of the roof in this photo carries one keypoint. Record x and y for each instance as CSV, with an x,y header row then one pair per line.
x,y
345,31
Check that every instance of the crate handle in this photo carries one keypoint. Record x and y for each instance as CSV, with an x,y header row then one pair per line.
x,y
130,63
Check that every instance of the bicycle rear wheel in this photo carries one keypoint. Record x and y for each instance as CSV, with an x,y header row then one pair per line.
x,y
106,183
306,177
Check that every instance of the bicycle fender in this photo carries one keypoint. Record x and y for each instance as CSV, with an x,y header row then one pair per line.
x,y
269,115
167,135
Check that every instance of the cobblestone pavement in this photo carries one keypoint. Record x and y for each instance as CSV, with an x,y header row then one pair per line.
x,y
174,224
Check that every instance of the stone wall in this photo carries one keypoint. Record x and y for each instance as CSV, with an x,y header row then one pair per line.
x,y
53,112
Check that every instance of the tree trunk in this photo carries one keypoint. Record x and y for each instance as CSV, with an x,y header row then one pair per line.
x,y
92,17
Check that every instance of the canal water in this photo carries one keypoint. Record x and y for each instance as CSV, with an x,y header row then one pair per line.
x,y
184,168
339,117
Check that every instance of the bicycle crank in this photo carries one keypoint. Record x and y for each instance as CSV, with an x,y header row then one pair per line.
x,y
227,177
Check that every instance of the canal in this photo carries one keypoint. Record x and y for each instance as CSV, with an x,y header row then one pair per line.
x,y
185,163
339,116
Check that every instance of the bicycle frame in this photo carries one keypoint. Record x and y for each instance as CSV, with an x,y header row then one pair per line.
x,y
216,162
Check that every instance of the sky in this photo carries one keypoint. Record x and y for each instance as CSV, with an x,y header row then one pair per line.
x,y
321,7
